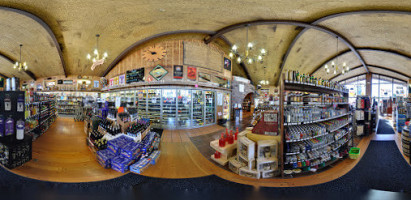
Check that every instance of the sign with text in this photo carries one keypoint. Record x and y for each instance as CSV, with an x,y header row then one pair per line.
x,y
191,73
178,72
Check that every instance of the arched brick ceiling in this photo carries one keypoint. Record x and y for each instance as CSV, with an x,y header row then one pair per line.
x,y
122,23
38,50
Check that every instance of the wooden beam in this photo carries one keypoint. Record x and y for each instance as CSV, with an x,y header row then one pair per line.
x,y
375,66
292,23
294,41
372,73
46,27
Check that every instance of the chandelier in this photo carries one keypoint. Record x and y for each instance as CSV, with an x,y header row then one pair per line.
x,y
96,56
250,54
335,67
19,65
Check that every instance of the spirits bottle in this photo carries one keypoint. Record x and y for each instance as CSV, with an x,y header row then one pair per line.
x,y
20,103
7,103
20,129
9,130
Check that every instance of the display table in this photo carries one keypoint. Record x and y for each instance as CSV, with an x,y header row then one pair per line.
x,y
226,152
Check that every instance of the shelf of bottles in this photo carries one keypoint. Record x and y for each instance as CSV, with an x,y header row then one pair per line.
x,y
177,108
169,108
209,107
184,108
40,112
316,122
198,108
154,106
142,102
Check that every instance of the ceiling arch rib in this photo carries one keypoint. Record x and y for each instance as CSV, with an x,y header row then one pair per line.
x,y
47,29
371,49
288,22
373,73
377,67
294,41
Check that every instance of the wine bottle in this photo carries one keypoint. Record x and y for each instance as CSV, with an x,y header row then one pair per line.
x,y
9,129
2,125
7,103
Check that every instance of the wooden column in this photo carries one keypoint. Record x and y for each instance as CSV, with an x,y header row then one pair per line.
x,y
368,86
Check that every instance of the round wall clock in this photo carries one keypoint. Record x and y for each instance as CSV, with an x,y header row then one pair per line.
x,y
154,53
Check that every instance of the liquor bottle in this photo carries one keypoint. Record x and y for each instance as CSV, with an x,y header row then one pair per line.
x,y
2,125
20,129
230,137
221,141
9,128
20,103
7,103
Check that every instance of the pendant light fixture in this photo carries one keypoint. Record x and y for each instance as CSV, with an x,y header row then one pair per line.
x,y
97,60
334,65
250,54
20,65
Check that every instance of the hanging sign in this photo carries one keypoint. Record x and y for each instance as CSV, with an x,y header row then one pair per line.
x,y
96,84
158,72
227,64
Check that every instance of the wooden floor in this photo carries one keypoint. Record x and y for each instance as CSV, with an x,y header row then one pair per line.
x,y
61,155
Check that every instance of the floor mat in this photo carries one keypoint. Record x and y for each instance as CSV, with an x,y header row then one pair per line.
x,y
384,127
381,168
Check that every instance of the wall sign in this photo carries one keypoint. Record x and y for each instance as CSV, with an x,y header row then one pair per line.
x,y
122,79
158,72
178,72
115,82
203,77
135,75
68,82
241,88
227,64
191,73
59,82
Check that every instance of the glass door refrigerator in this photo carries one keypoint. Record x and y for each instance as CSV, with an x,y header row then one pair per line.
x,y
184,108
209,107
226,106
198,108
169,108
154,106
142,103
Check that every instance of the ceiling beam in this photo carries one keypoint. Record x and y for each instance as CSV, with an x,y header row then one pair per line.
x,y
292,23
140,42
12,61
379,67
390,51
340,74
46,27
294,41
373,73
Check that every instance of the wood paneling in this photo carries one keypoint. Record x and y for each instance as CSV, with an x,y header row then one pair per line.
x,y
202,55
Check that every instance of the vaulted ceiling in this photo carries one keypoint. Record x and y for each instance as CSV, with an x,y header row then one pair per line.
x,y
57,34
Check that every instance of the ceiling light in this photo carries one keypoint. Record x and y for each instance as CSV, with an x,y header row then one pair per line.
x,y
326,66
335,71
260,58
250,60
97,60
247,53
19,65
231,55
328,71
234,48
263,51
238,60
342,71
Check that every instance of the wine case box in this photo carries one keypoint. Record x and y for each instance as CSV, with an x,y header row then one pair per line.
x,y
267,149
270,174
250,164
235,165
267,164
244,171
246,148
359,115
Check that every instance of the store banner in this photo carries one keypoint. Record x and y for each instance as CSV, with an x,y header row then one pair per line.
x,y
111,82
122,79
191,73
115,81
178,72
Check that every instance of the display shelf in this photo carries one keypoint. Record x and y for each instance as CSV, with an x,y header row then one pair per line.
x,y
336,129
322,146
307,87
316,121
308,138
